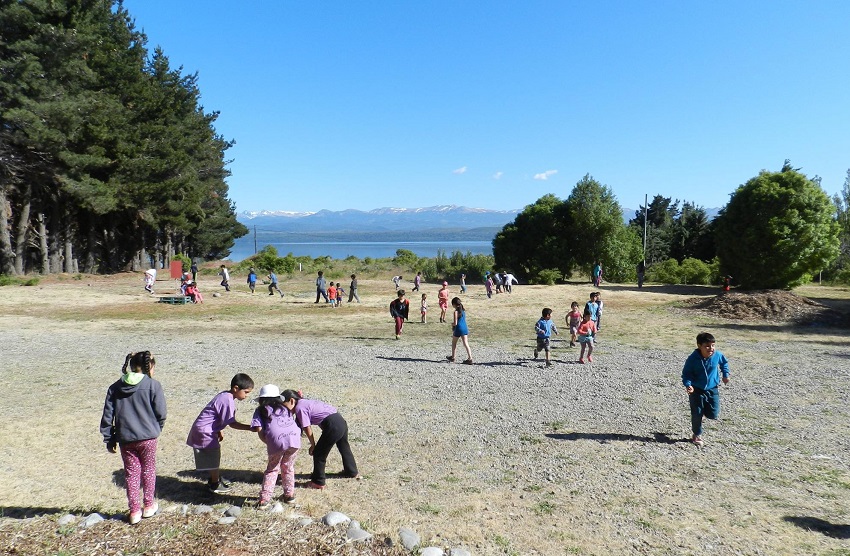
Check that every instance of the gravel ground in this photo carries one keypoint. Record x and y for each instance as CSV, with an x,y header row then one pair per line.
x,y
503,457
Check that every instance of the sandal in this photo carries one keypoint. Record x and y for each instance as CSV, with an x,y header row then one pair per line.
x,y
467,361
450,359
697,440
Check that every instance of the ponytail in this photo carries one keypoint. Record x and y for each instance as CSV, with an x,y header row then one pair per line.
x,y
139,362
127,362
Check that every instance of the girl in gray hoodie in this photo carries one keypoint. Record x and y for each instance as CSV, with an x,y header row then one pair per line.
x,y
133,417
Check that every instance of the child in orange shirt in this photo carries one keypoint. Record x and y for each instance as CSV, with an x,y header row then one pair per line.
x,y
332,294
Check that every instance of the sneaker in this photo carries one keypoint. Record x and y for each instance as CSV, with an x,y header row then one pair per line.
x,y
225,482
590,358
269,294
217,488
264,504
315,486
288,499
151,510
135,517
535,354
548,364
581,361
281,294
467,361
450,359
697,440
572,344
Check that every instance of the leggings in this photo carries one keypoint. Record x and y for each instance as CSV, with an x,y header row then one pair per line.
x,y
334,431
139,471
279,463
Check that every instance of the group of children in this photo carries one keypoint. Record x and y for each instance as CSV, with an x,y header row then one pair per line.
x,y
583,328
135,411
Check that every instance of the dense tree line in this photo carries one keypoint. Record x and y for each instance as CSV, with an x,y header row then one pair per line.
x,y
107,158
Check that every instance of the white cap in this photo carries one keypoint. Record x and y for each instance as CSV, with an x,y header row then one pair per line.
x,y
269,391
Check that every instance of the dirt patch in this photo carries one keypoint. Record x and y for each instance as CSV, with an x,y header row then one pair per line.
x,y
774,306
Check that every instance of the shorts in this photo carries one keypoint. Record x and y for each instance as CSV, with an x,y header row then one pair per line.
x,y
542,344
444,304
207,459
585,339
573,330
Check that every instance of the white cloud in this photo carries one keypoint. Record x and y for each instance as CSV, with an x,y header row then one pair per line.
x,y
498,175
545,175
461,170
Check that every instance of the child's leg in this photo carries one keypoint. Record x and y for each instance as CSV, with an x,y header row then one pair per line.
x,y
132,475
273,469
583,347
695,400
465,340
147,458
589,348
287,468
454,347
349,465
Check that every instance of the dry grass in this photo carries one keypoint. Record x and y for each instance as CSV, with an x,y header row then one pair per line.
x,y
42,408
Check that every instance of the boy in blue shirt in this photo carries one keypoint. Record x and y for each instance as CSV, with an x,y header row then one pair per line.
x,y
544,328
701,377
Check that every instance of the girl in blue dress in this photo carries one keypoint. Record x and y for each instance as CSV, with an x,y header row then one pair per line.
x,y
460,330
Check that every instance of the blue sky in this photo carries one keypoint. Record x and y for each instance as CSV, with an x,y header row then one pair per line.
x,y
337,105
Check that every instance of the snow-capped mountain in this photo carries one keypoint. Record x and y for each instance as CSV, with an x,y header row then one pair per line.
x,y
377,220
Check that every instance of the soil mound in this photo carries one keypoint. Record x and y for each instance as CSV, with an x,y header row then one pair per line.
x,y
775,306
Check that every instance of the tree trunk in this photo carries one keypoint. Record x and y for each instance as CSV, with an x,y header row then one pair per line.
x,y
69,246
6,256
89,262
54,240
42,244
169,249
23,228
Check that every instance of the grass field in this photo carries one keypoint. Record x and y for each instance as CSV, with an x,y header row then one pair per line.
x,y
64,340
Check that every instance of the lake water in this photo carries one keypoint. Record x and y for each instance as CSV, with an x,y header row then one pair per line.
x,y
244,248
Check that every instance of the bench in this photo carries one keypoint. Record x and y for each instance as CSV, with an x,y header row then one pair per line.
x,y
175,299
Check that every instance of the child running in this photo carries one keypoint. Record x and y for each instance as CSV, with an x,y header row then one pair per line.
x,y
205,436
273,285
252,280
573,320
399,309
460,330
334,432
586,331
701,377
133,415
544,329
280,433
423,307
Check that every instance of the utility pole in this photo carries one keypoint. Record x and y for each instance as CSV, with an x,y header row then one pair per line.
x,y
645,217
255,240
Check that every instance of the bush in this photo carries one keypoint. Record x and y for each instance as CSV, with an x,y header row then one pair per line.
x,y
405,258
665,272
695,271
548,276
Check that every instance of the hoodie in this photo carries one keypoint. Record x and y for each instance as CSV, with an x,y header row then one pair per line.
x,y
134,409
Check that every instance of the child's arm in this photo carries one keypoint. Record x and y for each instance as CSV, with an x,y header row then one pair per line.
x,y
239,426
724,368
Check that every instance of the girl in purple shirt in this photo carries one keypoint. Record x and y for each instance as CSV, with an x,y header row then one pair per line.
x,y
282,437
334,432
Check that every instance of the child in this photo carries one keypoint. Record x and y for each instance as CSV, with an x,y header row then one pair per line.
x,y
463,283
593,306
423,307
133,415
332,295
585,331
352,289
205,435
225,278
598,312
150,278
544,328
273,286
193,292
488,285
399,309
573,320
396,280
252,280
417,281
460,330
321,290
280,433
334,432
443,301
701,377
339,293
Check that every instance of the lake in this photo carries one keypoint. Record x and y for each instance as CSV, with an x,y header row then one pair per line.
x,y
244,248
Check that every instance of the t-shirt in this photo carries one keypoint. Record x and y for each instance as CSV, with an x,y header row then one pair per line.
x,y
544,328
443,297
312,412
282,433
587,328
574,318
332,292
220,412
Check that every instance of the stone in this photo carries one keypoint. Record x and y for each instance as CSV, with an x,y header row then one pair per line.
x,y
459,552
233,511
92,519
203,509
356,535
226,520
277,508
409,538
432,551
67,519
353,525
305,521
335,518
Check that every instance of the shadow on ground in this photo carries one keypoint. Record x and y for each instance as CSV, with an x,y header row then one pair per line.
x,y
25,512
834,530
602,437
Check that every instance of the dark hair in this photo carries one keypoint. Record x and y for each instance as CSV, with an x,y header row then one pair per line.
x,y
139,362
287,395
546,312
273,405
457,304
321,273
400,293
586,312
241,381
353,276
704,338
